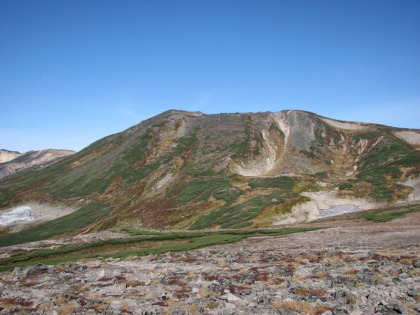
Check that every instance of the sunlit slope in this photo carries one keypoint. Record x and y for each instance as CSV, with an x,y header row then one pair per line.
x,y
190,170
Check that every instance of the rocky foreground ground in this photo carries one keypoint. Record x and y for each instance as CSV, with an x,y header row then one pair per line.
x,y
371,269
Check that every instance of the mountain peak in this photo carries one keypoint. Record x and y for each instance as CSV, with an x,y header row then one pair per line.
x,y
185,169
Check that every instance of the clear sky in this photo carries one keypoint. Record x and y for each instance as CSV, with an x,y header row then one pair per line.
x,y
74,71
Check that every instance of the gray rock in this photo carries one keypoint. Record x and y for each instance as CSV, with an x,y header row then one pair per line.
x,y
17,273
178,311
403,276
283,311
39,269
390,309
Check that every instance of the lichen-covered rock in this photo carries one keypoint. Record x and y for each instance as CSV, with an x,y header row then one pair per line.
x,y
223,282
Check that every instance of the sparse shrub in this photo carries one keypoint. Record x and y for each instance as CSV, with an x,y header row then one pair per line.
x,y
192,308
59,300
134,283
345,186
322,175
306,185
69,308
321,275
353,271
305,291
379,278
352,299
211,305
308,154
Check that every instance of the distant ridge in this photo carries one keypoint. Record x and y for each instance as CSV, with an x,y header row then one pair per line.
x,y
6,155
13,162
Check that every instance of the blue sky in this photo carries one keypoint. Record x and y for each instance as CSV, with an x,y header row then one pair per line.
x,y
72,72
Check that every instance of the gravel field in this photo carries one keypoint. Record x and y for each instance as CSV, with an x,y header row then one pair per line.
x,y
353,268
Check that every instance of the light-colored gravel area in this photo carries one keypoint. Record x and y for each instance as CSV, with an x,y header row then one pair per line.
x,y
42,212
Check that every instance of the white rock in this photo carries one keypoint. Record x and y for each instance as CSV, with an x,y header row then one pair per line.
x,y
230,306
17,214
230,298
116,305
101,273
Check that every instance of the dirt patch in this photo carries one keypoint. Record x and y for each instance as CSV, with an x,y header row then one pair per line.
x,y
411,136
309,211
344,124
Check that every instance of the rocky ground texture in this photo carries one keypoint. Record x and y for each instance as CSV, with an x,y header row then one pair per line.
x,y
344,274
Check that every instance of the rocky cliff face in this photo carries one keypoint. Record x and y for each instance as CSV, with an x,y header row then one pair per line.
x,y
14,162
190,170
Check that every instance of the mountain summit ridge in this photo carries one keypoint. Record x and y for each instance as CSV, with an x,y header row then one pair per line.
x,y
183,169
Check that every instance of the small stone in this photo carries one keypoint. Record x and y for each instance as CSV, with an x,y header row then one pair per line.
x,y
403,276
230,298
116,305
17,273
101,273
363,255
230,306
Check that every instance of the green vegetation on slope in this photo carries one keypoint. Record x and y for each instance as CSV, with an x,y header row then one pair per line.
x,y
203,188
389,214
69,223
384,162
112,247
240,215
284,182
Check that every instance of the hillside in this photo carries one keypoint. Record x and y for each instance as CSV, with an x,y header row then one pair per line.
x,y
355,266
14,162
184,170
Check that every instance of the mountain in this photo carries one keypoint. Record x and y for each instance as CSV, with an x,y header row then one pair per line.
x,y
188,170
14,162
6,155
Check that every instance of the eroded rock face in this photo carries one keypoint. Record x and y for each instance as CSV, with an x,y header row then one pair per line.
x,y
339,280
